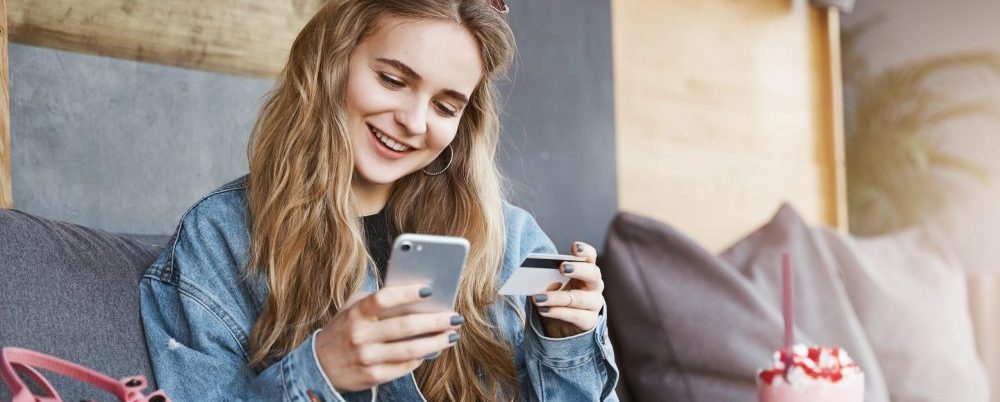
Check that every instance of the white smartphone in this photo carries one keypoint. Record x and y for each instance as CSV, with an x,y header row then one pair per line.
x,y
436,261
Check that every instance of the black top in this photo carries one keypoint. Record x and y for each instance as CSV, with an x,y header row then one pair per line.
x,y
377,240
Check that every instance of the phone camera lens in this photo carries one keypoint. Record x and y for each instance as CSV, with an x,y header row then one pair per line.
x,y
406,246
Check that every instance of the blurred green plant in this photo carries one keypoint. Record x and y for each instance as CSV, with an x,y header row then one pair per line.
x,y
895,131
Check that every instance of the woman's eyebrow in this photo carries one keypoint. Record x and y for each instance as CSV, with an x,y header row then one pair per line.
x,y
402,67
456,95
409,73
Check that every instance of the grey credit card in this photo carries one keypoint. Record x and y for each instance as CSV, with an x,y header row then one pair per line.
x,y
537,273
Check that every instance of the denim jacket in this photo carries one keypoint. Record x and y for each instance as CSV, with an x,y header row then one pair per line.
x,y
198,308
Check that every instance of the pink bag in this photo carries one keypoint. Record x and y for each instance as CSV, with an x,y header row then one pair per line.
x,y
128,389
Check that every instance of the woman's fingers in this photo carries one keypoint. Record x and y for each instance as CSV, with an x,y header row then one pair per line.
x,y
581,249
360,347
583,319
373,305
586,273
581,301
408,326
403,351
577,299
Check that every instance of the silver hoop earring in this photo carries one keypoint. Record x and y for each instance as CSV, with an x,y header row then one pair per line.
x,y
451,156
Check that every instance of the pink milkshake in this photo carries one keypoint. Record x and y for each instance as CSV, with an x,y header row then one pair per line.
x,y
817,374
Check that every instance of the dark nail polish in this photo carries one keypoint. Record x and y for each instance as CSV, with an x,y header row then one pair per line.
x,y
452,338
457,319
432,356
425,292
543,309
568,268
579,248
541,298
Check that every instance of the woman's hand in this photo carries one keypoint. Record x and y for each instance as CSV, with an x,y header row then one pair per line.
x,y
575,308
357,350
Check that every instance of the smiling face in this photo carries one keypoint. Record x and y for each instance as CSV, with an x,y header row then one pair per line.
x,y
407,87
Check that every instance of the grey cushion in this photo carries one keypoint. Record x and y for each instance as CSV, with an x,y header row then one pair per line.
x,y
684,324
72,292
153,242
688,325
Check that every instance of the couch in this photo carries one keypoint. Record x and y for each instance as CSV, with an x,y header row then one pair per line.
x,y
72,292
687,324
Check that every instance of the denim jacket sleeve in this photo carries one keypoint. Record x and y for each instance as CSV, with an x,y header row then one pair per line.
x,y
577,368
197,313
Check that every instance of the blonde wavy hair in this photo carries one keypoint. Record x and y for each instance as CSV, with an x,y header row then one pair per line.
x,y
306,238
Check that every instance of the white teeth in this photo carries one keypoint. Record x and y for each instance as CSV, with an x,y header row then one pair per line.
x,y
389,142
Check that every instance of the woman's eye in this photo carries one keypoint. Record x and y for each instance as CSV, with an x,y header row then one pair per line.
x,y
446,110
391,81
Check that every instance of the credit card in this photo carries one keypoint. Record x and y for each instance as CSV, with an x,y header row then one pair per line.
x,y
537,273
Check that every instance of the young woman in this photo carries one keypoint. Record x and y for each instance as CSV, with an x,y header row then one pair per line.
x,y
384,121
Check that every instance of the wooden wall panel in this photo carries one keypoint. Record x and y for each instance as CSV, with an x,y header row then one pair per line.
x,y
723,111
832,124
248,37
6,181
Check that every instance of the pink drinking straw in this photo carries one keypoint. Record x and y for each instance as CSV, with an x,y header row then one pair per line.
x,y
787,309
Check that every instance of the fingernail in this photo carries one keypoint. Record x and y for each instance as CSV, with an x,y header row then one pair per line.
x,y
457,320
579,248
452,338
432,356
568,268
425,292
543,309
541,298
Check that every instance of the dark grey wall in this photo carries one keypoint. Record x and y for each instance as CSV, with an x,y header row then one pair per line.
x,y
127,146
559,130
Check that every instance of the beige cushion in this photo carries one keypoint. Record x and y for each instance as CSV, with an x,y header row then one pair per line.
x,y
909,293
824,314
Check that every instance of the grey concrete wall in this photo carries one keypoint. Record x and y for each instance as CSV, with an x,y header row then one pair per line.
x,y
127,146
121,145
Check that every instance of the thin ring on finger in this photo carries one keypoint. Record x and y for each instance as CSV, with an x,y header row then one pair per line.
x,y
567,298
585,302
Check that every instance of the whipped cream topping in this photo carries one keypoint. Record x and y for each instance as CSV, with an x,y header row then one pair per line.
x,y
811,365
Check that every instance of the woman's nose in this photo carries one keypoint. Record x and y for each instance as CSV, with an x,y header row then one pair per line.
x,y
413,118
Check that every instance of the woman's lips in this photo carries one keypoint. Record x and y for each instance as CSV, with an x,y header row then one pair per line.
x,y
383,149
